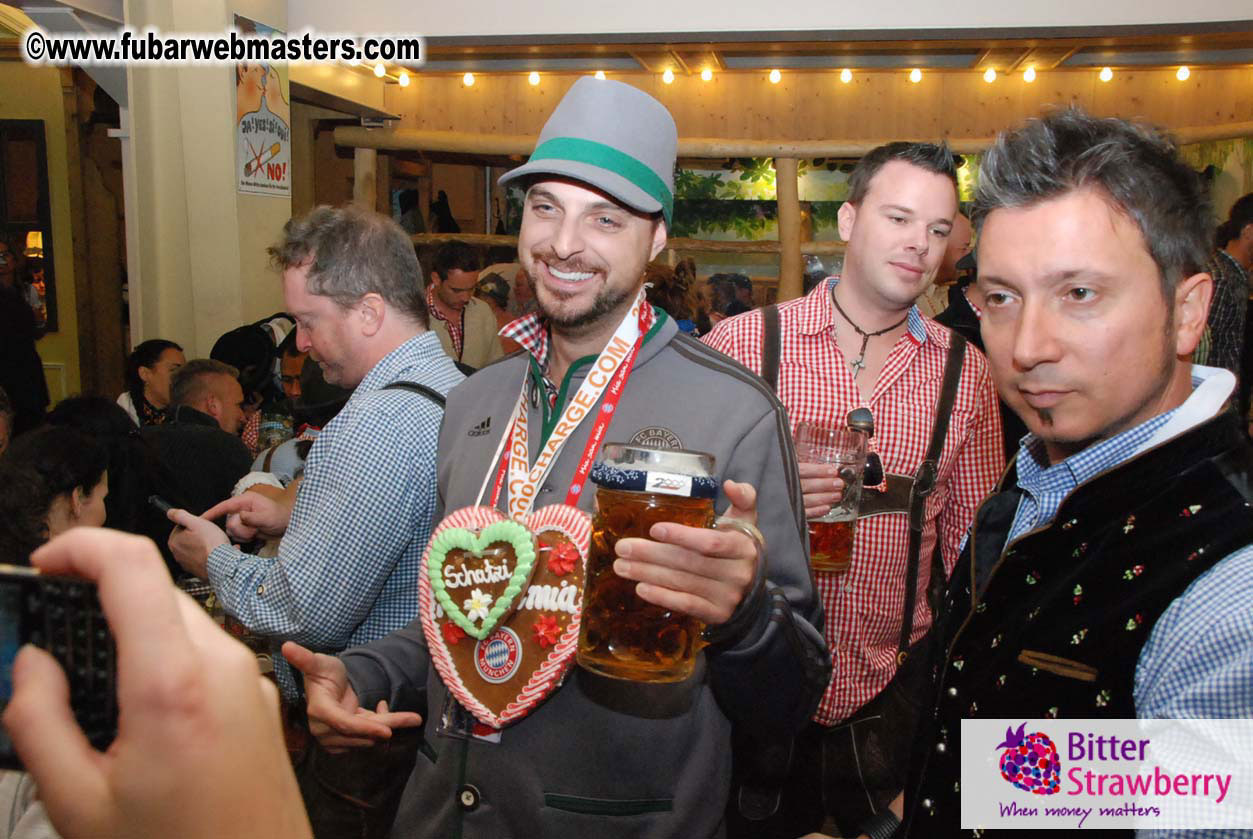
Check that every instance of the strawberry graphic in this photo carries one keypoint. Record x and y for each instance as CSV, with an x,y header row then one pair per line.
x,y
1030,762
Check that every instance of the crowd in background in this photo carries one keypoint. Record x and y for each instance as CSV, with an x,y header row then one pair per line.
x,y
196,432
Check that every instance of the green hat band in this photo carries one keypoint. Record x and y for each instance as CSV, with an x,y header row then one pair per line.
x,y
607,157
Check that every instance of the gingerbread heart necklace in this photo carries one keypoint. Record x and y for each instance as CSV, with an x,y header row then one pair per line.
x,y
501,599
500,602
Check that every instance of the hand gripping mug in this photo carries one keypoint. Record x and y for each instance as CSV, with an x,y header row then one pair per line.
x,y
831,535
622,635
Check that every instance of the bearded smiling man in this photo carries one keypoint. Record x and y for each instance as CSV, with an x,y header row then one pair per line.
x,y
594,757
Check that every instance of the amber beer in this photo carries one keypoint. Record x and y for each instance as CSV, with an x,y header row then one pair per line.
x,y
622,635
831,545
831,535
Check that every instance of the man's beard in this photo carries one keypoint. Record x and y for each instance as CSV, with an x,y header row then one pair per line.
x,y
608,301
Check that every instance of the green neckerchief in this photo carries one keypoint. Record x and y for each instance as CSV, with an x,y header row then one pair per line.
x,y
551,415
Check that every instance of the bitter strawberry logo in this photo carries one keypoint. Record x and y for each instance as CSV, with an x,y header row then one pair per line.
x,y
1030,761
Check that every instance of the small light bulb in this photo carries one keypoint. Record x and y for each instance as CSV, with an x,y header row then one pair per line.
x,y
915,75
1106,74
354,61
989,75
403,78
775,76
468,80
706,75
600,74
1028,75
533,78
846,75
1183,73
668,76
379,70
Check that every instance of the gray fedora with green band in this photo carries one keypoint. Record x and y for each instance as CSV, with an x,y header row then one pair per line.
x,y
613,137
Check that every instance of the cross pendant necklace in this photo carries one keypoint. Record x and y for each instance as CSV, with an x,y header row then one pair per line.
x,y
858,364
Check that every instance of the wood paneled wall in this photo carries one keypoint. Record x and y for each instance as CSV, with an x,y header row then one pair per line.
x,y
817,106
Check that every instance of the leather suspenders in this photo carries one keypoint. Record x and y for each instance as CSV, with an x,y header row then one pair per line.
x,y
904,494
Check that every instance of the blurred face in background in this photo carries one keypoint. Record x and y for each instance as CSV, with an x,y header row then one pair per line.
x,y
455,290
156,378
289,372
227,404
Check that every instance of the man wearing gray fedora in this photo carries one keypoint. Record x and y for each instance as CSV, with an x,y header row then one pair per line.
x,y
596,756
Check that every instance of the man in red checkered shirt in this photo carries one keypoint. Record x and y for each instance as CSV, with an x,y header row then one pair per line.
x,y
856,341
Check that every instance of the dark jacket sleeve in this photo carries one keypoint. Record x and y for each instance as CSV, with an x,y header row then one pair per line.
x,y
392,668
769,663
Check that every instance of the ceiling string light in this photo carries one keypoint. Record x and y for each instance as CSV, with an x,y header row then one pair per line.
x,y
668,76
1028,75
775,76
846,75
533,78
706,75
468,80
915,75
989,75
1106,74
600,74
1182,73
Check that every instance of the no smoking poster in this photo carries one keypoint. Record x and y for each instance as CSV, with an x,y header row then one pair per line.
x,y
262,122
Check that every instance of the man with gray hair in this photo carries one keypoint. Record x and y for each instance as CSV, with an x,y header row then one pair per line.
x,y
346,570
1110,574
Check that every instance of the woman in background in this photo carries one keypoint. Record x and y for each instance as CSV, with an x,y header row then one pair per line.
x,y
148,372
51,479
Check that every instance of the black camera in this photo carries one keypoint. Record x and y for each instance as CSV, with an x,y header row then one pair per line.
x,y
63,616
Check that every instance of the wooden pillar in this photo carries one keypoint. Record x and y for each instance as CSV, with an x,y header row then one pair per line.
x,y
365,178
787,192
383,185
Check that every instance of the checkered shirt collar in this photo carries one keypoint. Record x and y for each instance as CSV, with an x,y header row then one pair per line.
x,y
1035,473
531,334
431,307
816,315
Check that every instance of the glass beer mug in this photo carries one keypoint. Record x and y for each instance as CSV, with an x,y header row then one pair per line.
x,y
621,635
831,535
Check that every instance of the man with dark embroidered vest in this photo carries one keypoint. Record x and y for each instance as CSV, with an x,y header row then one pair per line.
x,y
1111,573
588,755
859,341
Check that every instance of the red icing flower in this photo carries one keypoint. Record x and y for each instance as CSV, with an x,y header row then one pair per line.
x,y
547,631
452,632
562,558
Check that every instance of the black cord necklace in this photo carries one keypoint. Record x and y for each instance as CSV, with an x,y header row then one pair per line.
x,y
859,363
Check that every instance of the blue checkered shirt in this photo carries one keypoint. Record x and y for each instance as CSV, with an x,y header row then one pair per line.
x,y
1045,487
347,567
1198,662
